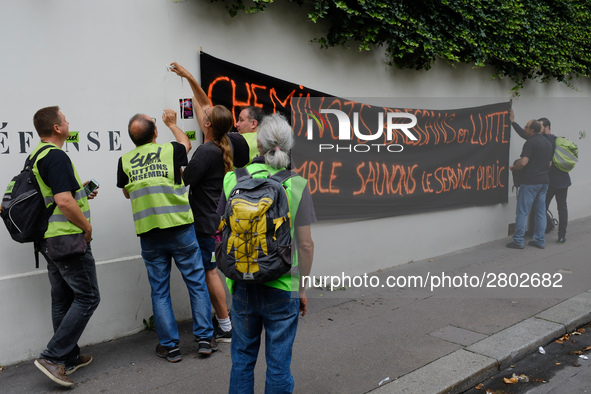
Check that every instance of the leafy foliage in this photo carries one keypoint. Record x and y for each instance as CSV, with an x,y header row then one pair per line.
x,y
149,325
540,40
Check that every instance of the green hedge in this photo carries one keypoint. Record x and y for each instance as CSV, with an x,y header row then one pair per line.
x,y
523,40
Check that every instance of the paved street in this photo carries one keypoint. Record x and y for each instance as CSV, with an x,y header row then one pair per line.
x,y
408,339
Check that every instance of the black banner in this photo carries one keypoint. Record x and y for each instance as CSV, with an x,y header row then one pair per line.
x,y
234,87
364,161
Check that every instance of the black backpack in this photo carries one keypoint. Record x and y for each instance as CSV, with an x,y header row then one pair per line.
x,y
517,176
23,210
255,243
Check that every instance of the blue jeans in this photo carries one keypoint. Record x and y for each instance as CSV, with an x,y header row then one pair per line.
x,y
157,251
531,197
74,298
207,246
255,307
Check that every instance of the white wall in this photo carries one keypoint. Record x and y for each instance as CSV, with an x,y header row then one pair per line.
x,y
104,61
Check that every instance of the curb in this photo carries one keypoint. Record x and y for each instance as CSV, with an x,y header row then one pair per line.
x,y
463,369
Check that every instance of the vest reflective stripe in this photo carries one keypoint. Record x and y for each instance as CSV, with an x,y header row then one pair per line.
x,y
157,189
80,194
48,200
561,156
58,223
160,211
156,201
60,218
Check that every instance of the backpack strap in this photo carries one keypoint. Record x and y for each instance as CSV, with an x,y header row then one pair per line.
x,y
31,160
29,163
37,249
242,174
280,176
283,175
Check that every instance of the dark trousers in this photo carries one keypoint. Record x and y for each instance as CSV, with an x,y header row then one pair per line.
x,y
561,206
74,298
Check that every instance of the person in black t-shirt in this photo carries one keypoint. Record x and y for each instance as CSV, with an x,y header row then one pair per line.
x,y
535,162
559,180
205,174
74,286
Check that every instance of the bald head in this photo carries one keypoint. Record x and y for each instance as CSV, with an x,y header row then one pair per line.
x,y
141,129
532,127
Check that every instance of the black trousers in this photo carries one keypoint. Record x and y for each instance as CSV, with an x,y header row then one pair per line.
x,y
561,206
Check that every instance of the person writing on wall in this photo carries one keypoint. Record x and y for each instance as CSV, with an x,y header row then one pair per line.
x,y
559,180
204,175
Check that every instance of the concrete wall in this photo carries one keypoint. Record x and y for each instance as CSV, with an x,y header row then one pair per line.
x,y
104,61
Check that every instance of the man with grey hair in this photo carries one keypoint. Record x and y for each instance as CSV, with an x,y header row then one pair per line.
x,y
248,121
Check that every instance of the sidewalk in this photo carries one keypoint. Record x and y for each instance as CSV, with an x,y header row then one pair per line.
x,y
413,340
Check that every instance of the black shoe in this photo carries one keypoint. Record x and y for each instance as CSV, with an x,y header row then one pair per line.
x,y
561,240
222,336
207,346
172,354
513,245
219,334
535,244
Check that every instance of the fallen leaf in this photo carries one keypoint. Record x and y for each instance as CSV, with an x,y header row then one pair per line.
x,y
479,387
523,378
565,337
510,381
576,365
557,363
587,348
581,330
576,352
559,341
